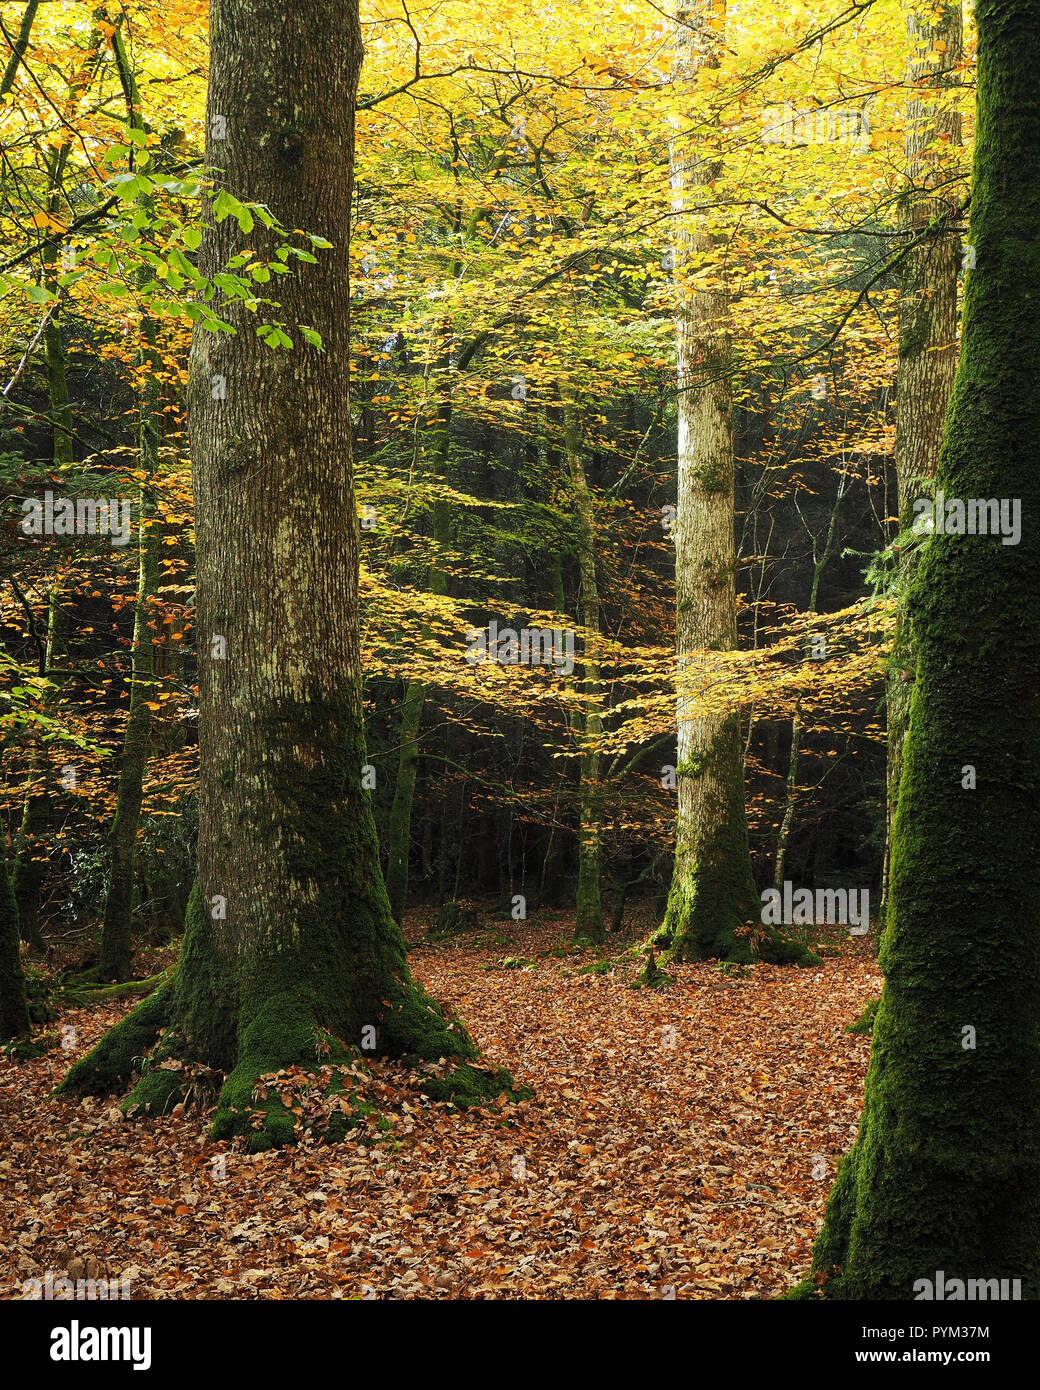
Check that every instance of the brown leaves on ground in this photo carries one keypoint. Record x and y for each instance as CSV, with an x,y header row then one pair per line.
x,y
680,1144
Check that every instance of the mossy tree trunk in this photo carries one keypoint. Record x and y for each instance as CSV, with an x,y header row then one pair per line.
x,y
19,47
14,1007
289,943
927,325
116,944
712,903
945,1173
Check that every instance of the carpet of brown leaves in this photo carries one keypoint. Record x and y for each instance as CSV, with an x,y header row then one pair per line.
x,y
680,1143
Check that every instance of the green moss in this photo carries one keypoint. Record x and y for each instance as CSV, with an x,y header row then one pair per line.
x,y
277,1032
156,1093
598,967
325,978
804,1289
14,1008
23,1049
865,1022
713,910
453,919
468,1086
945,1173
108,1068
38,993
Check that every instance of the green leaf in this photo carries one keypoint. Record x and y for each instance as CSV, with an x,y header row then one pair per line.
x,y
265,214
225,205
310,335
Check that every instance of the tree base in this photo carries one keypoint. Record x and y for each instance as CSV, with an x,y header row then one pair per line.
x,y
682,943
282,1044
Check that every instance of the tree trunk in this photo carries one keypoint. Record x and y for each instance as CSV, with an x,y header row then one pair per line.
x,y
589,924
712,904
820,563
291,955
927,335
946,1169
38,813
14,1007
19,47
116,946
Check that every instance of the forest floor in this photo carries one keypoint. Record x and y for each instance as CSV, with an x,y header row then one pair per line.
x,y
680,1143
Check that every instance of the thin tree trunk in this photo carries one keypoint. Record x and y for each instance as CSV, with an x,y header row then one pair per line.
x,y
18,50
589,924
945,1173
38,813
820,563
116,946
14,1008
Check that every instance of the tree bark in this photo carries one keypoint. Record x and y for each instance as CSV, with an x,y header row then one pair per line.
x,y
945,1173
116,945
927,334
14,1007
712,906
290,948
38,813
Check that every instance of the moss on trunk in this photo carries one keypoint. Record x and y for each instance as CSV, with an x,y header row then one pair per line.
x,y
714,911
945,1173
291,953
14,1007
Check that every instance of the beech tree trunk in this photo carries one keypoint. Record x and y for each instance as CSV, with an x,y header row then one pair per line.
x,y
945,1173
927,328
291,955
713,908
